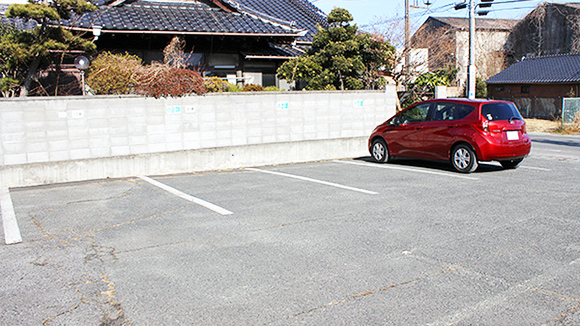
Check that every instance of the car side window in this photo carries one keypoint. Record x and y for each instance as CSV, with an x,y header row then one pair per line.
x,y
461,111
443,111
451,111
414,114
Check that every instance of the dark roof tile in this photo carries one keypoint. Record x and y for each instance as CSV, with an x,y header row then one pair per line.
x,y
297,13
541,70
178,17
19,23
272,17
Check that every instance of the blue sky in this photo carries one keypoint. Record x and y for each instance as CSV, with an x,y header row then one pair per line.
x,y
368,12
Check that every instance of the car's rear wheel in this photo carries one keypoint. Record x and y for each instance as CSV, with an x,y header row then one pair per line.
x,y
463,159
380,151
511,164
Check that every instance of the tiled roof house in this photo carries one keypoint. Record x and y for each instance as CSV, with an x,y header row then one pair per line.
x,y
248,38
299,13
19,23
538,84
226,37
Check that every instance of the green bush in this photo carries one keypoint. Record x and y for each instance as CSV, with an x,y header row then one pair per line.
x,y
125,74
253,88
217,85
353,83
114,73
272,89
480,88
235,88
340,56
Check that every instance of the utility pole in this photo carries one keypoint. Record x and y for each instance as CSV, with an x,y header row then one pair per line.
x,y
470,87
471,63
407,51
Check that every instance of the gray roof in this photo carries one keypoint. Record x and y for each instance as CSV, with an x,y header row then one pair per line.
x,y
18,23
299,14
541,70
179,17
480,23
297,19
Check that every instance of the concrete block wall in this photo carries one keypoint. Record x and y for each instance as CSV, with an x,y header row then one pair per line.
x,y
41,137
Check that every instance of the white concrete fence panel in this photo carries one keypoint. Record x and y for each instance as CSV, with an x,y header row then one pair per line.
x,y
50,140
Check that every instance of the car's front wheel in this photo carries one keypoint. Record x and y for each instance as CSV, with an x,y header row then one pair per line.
x,y
511,164
464,159
380,151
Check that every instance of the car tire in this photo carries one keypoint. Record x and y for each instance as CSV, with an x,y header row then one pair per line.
x,y
463,159
511,164
380,151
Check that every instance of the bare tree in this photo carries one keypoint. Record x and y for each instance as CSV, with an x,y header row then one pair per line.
x,y
174,53
441,43
574,22
393,31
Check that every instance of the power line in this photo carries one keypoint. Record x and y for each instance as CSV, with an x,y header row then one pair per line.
x,y
450,7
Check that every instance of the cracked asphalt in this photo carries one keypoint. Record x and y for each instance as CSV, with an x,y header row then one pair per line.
x,y
325,243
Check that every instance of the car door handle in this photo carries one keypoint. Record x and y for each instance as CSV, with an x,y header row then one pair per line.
x,y
418,127
452,126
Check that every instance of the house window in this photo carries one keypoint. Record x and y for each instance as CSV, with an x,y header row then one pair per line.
x,y
224,61
525,89
499,88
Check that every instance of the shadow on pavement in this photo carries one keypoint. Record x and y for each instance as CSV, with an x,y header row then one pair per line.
x,y
557,142
484,167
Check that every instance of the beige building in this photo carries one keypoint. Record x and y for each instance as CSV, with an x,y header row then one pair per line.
x,y
448,42
551,28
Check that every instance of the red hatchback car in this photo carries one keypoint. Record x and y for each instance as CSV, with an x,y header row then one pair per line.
x,y
458,130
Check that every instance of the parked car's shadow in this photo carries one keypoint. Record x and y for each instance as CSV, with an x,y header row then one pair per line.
x,y
442,166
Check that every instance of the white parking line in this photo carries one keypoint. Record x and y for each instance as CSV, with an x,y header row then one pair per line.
x,y
314,180
185,196
11,230
535,168
394,167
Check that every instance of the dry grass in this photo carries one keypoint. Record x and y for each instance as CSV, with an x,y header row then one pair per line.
x,y
539,125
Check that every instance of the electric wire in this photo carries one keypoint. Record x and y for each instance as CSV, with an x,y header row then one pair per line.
x,y
450,7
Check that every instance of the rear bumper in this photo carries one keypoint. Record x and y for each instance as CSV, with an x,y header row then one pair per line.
x,y
491,151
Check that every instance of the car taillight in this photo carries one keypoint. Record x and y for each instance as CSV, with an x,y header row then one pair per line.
x,y
524,130
485,125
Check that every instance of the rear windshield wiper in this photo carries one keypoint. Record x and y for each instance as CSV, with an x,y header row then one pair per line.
x,y
514,118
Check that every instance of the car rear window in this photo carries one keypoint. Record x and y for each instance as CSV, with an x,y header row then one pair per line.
x,y
500,111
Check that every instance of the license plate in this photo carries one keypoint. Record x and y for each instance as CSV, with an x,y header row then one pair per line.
x,y
512,135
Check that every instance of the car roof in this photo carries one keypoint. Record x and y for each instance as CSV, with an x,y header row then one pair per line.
x,y
473,102
465,100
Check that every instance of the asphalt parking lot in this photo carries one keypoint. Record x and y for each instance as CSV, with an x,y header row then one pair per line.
x,y
346,242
